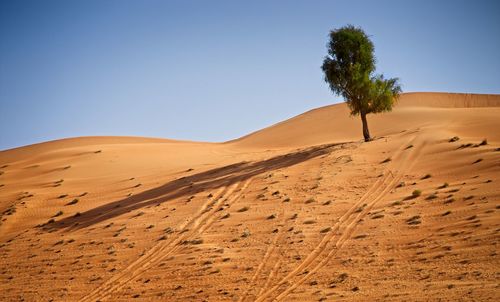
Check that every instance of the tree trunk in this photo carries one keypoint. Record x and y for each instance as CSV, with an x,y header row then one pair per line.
x,y
366,132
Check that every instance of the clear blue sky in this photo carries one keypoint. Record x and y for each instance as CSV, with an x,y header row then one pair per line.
x,y
216,70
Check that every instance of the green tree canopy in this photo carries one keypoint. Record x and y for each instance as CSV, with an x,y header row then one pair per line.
x,y
349,70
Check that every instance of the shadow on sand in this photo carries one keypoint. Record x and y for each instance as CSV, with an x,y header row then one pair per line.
x,y
187,186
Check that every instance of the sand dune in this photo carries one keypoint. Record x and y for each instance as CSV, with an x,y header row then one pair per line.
x,y
299,211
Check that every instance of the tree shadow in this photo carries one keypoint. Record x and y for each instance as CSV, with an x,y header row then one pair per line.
x,y
187,186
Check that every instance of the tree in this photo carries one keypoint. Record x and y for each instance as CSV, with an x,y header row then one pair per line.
x,y
349,70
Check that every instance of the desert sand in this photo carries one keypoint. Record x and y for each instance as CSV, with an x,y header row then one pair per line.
x,y
299,211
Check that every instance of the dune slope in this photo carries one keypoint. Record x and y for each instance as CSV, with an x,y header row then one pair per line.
x,y
300,211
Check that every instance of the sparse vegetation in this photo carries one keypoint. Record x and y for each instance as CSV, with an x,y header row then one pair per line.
x,y
326,230
426,176
463,146
196,241
74,201
59,213
386,160
244,209
168,230
454,139
478,161
416,193
272,216
310,200
414,220
445,185
432,196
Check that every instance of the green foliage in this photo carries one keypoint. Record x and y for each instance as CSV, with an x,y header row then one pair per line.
x,y
349,70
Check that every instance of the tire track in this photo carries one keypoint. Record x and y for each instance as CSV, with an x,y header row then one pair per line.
x,y
379,189
199,223
268,254
408,162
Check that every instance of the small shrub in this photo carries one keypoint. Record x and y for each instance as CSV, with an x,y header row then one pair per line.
x,y
62,196
478,161
408,147
196,241
413,221
445,185
454,139
426,176
386,160
58,214
168,230
310,200
272,216
244,209
484,142
432,196
326,230
310,221
446,213
472,217
396,203
74,201
416,193
245,234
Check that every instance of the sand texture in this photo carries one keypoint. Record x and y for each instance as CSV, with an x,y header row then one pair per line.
x,y
299,211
